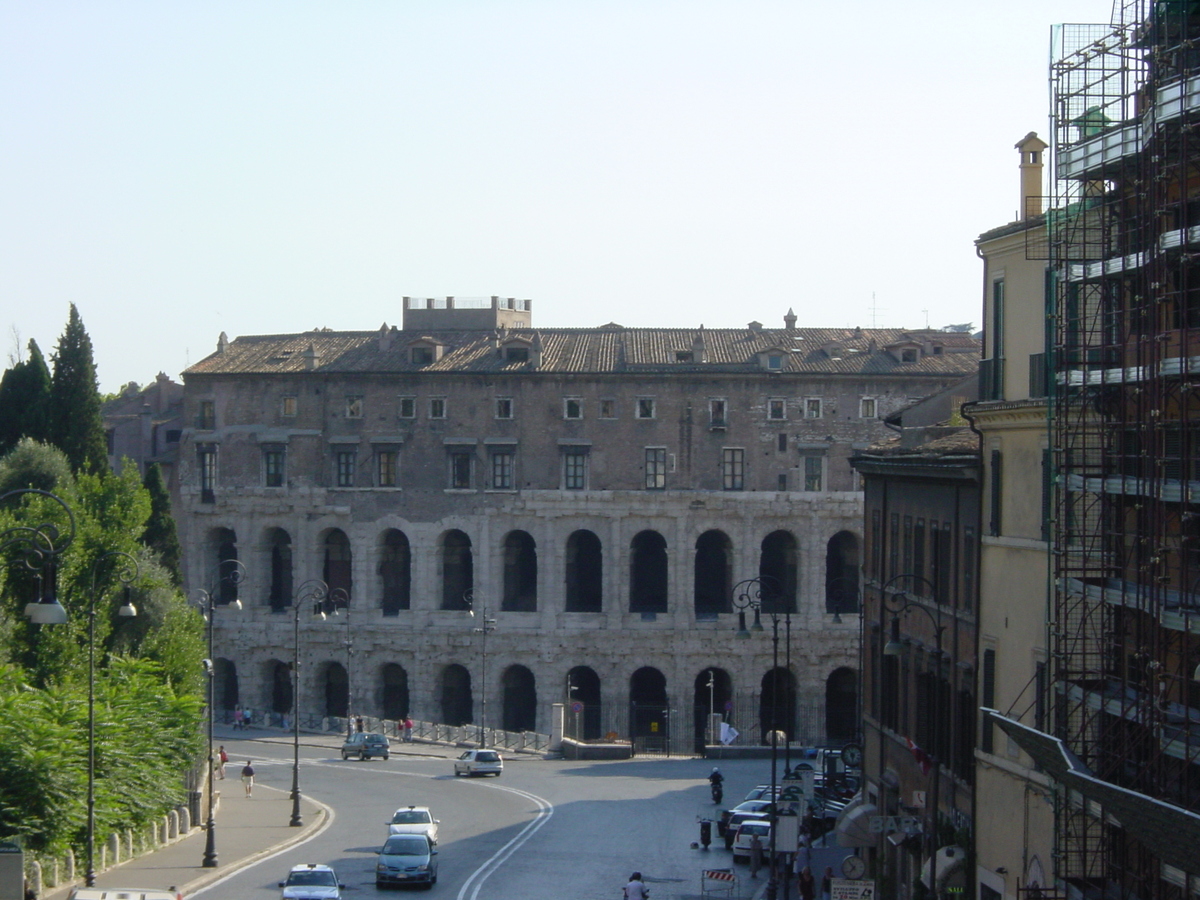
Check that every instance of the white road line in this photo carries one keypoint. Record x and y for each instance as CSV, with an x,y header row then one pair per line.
x,y
480,875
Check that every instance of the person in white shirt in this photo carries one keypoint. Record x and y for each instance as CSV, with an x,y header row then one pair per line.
x,y
636,890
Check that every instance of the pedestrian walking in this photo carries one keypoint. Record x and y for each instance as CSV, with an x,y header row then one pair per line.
x,y
827,884
222,758
408,727
808,884
756,855
636,889
358,724
239,719
248,778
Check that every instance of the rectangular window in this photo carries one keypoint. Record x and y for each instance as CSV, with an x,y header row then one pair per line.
x,y
437,408
608,409
575,469
408,408
206,462
273,466
907,549
812,408
774,362
656,468
986,743
876,543
894,546
813,470
645,407
866,408
733,469
354,407
422,356
504,408
781,442
1047,492
460,471
942,563
502,470
716,413
919,587
572,408
968,569
994,519
207,417
287,406
776,409
344,462
516,354
387,462
783,481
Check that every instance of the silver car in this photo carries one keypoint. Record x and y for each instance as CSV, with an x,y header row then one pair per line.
x,y
407,859
479,762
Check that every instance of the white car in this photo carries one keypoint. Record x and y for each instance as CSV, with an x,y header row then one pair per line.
x,y
746,832
414,820
311,881
479,762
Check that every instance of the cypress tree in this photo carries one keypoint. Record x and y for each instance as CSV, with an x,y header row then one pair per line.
x,y
76,426
160,532
25,401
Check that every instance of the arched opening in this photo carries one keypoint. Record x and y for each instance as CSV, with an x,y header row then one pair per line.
x,y
841,705
584,572
713,694
713,570
648,573
337,694
458,569
395,691
225,685
520,699
520,573
336,571
457,701
279,592
224,558
281,687
842,573
395,572
584,713
777,707
649,716
777,562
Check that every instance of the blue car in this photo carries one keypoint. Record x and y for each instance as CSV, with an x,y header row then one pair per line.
x,y
406,859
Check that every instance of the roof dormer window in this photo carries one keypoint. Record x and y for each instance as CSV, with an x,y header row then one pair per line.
x,y
908,355
421,356
518,353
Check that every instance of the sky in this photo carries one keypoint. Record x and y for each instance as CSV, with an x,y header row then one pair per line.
x,y
183,169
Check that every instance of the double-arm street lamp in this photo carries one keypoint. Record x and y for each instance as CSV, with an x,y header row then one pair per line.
x,y
229,573
485,627
753,594
314,595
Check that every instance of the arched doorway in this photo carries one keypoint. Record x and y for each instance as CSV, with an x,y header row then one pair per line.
x,y
337,693
648,573
842,573
520,573
338,562
649,714
713,570
584,572
225,685
395,572
841,705
281,688
777,707
395,691
458,569
457,700
520,699
712,692
778,562
225,557
583,688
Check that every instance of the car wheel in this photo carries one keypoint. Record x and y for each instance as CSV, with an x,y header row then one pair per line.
x,y
379,885
362,755
738,859
344,756
385,756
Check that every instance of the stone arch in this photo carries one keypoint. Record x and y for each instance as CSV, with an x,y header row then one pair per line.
x,y
279,557
457,701
335,691
713,570
649,712
841,705
842,573
520,699
395,572
583,687
584,572
458,569
338,561
777,704
520,573
222,558
395,691
713,690
282,698
778,561
225,684
648,573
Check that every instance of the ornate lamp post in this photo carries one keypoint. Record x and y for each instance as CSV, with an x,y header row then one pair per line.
x,y
314,592
228,572
487,626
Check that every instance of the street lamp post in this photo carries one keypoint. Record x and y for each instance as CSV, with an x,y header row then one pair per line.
x,y
315,592
338,602
750,595
231,572
486,626
712,684
900,604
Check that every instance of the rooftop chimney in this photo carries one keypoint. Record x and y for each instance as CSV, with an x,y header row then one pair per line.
x,y
789,320
1031,147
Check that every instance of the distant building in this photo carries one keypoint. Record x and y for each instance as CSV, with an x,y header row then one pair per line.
x,y
144,425
599,491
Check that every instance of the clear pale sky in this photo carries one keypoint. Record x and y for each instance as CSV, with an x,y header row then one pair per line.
x,y
179,169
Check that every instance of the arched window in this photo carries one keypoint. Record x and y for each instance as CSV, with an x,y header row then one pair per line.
x,y
395,572
713,690
338,562
713,571
224,556
279,593
281,687
395,691
648,573
841,573
777,706
583,688
457,702
778,562
584,573
337,691
649,710
520,573
841,705
520,699
458,569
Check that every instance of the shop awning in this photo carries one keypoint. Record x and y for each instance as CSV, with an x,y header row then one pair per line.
x,y
853,824
950,860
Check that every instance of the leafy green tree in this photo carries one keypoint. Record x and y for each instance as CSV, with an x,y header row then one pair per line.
x,y
33,465
160,534
76,426
25,400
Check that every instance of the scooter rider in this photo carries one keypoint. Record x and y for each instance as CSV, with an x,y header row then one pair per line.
x,y
716,778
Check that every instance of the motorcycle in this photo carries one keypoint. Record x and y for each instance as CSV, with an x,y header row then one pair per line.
x,y
717,792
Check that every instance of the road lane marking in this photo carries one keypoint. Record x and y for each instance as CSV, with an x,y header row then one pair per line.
x,y
480,875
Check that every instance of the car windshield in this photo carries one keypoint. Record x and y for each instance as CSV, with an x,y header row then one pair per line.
x,y
756,829
375,739
410,817
406,846
487,756
311,877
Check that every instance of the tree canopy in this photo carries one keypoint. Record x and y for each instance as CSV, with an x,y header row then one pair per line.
x,y
25,400
76,424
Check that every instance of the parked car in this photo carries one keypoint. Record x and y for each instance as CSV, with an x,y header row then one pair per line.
x,y
406,859
311,881
745,833
414,820
735,822
762,792
753,806
479,762
364,745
